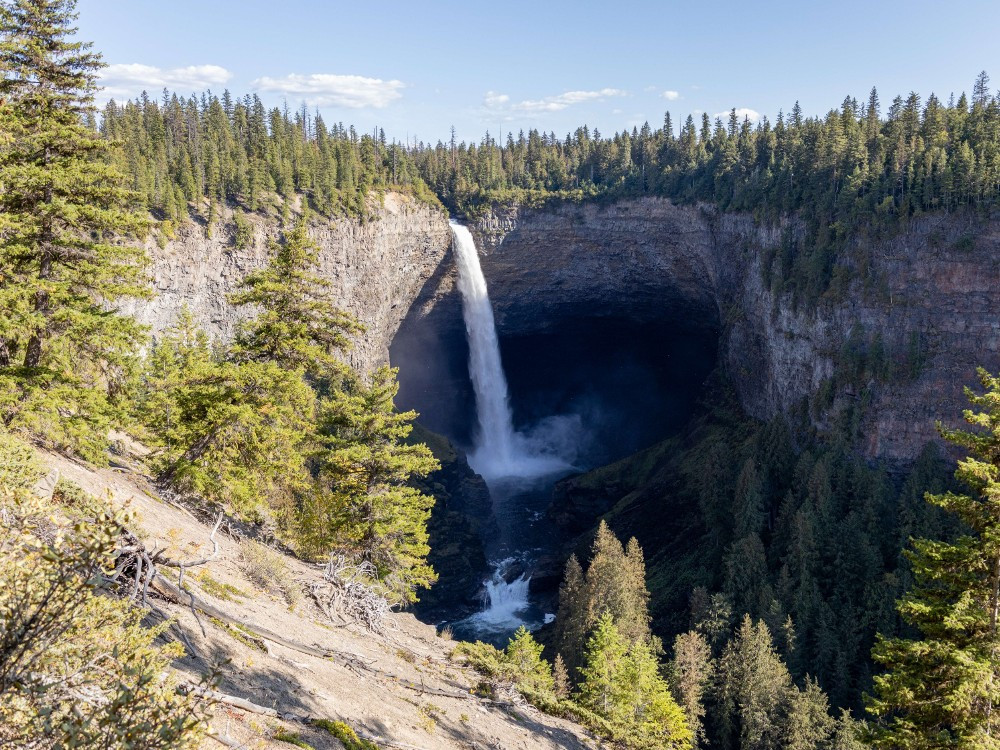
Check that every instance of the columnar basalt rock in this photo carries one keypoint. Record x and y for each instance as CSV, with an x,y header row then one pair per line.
x,y
647,259
376,269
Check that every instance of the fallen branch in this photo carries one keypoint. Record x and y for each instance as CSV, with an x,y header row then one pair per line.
x,y
350,661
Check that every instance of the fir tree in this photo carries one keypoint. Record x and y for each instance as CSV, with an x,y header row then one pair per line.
x,y
235,434
571,619
622,684
753,688
368,505
943,690
63,210
691,670
297,325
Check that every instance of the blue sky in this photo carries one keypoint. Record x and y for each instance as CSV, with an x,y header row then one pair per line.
x,y
417,68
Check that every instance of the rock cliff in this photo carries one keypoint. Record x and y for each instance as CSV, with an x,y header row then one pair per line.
x,y
376,269
693,267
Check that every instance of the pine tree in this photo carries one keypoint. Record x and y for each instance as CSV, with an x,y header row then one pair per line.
x,y
943,690
616,583
622,685
572,624
235,434
63,210
692,669
808,725
534,676
298,325
366,466
602,689
560,678
753,689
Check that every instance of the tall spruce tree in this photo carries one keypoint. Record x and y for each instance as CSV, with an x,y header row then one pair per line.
x,y
943,689
298,325
622,684
63,214
366,506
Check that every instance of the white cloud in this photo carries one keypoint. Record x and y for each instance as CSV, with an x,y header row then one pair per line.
x,y
556,103
126,80
671,96
741,112
330,90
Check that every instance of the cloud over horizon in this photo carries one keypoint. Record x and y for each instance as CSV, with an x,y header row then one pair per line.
x,y
331,90
127,80
497,102
741,112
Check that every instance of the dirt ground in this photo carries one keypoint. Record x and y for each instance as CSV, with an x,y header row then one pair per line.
x,y
382,701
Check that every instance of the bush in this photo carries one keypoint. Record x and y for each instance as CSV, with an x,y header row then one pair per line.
x,y
518,670
267,569
75,662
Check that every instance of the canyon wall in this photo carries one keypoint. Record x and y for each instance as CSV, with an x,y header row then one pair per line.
x,y
647,259
376,268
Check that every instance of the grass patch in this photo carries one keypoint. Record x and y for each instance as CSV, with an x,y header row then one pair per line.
x,y
292,739
224,591
243,635
267,569
347,736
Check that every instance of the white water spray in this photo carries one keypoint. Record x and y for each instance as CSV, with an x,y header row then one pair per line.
x,y
501,455
499,452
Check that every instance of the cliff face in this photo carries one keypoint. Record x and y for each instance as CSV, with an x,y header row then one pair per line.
x,y
691,266
376,269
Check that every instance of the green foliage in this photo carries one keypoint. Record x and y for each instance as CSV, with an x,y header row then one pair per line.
x,y
852,167
200,152
278,427
63,213
242,231
520,667
292,739
297,326
364,503
622,685
74,662
615,583
19,469
231,432
347,736
941,690
691,672
828,560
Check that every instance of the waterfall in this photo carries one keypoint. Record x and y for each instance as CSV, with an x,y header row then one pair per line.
x,y
499,452
496,431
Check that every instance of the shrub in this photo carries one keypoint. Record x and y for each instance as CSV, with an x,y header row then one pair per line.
x,y
267,569
73,661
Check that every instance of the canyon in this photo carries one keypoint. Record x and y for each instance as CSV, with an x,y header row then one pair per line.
x,y
617,313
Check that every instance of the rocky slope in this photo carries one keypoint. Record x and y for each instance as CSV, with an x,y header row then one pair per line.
x,y
690,266
399,689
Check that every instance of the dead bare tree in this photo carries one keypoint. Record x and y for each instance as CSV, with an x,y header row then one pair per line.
x,y
347,593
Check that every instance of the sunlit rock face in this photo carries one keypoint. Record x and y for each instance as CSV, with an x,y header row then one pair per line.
x,y
375,270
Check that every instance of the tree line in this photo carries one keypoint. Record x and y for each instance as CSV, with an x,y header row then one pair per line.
x,y
274,427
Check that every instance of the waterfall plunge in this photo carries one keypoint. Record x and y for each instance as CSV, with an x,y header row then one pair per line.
x,y
501,455
499,452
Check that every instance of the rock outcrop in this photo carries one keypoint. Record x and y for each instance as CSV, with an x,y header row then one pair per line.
x,y
692,266
376,269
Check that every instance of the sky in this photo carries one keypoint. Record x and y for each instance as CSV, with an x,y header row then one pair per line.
x,y
416,69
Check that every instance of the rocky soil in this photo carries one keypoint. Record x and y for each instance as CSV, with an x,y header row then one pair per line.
x,y
403,690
